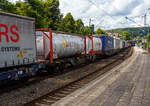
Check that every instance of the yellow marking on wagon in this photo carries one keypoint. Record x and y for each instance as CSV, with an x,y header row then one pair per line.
x,y
20,55
24,52
64,44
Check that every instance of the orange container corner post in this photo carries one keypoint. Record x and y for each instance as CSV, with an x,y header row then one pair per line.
x,y
92,50
85,44
44,47
51,45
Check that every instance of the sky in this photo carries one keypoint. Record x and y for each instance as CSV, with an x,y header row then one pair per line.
x,y
108,14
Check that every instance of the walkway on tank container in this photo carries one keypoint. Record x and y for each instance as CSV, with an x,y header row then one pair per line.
x,y
126,85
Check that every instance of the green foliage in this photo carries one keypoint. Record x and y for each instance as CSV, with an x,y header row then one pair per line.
x,y
87,30
126,35
137,38
47,15
46,12
148,37
33,8
79,26
7,6
21,8
138,31
52,12
100,31
67,24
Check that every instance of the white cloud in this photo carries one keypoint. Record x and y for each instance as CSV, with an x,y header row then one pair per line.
x,y
107,14
110,12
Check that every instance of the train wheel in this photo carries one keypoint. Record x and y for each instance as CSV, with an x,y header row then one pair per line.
x,y
50,69
61,67
74,61
25,79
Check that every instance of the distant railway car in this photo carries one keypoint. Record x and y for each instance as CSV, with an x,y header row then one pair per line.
x,y
93,45
121,44
107,45
116,44
63,45
124,44
17,40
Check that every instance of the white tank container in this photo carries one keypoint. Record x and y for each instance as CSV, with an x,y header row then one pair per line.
x,y
63,45
97,44
121,44
88,44
17,40
116,43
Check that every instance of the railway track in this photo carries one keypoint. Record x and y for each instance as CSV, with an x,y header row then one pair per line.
x,y
22,83
43,76
59,93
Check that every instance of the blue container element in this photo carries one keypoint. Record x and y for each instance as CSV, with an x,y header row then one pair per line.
x,y
123,44
107,44
17,74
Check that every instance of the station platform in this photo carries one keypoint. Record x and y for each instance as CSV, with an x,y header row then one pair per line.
x,y
125,85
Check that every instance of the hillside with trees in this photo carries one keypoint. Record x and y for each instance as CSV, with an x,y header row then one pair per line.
x,y
135,32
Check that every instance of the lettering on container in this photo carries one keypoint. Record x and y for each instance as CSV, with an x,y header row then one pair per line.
x,y
14,36
9,49
70,44
109,42
73,44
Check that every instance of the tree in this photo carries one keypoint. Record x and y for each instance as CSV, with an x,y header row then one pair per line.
x,y
35,9
21,8
100,31
46,12
7,6
79,26
126,35
67,24
148,38
87,30
52,12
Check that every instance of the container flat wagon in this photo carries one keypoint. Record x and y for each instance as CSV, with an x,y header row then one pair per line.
x,y
116,44
59,48
17,46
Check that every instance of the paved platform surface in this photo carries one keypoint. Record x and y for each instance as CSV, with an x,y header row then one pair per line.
x,y
126,85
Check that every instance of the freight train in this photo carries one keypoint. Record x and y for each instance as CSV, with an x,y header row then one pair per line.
x,y
24,50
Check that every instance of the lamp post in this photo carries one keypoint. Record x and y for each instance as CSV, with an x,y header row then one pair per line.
x,y
147,37
91,26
